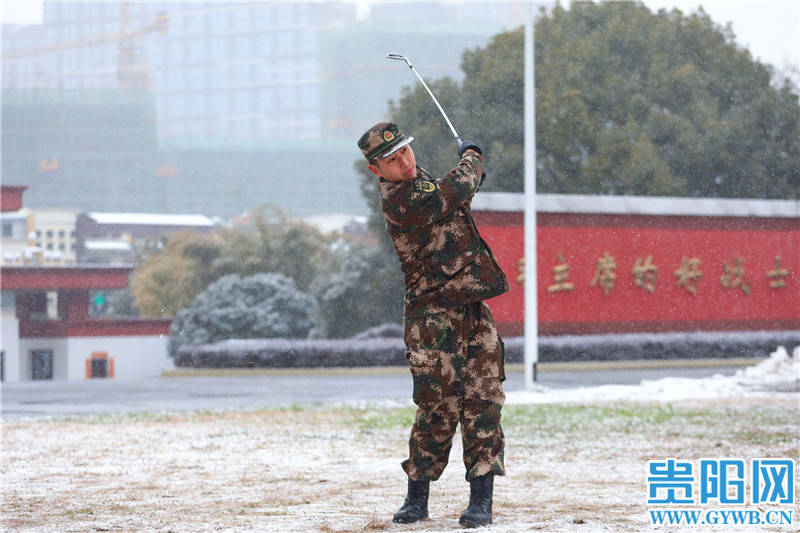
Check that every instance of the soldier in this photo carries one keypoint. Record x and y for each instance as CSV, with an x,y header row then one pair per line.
x,y
454,353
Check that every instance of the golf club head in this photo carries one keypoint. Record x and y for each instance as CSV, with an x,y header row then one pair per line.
x,y
399,57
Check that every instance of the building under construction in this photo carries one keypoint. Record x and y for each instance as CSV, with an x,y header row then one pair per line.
x,y
212,107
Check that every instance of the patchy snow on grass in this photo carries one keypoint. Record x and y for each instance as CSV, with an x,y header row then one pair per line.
x,y
576,460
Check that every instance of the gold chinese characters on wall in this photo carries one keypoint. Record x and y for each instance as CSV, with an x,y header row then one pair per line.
x,y
645,275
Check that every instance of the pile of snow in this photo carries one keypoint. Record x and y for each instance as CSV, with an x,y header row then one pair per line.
x,y
778,373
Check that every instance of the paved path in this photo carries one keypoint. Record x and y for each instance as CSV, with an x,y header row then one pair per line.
x,y
277,388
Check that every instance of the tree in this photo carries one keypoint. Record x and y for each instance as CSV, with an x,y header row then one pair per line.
x,y
168,281
631,102
627,102
235,307
366,291
272,243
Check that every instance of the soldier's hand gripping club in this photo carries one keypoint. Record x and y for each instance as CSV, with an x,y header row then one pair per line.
x,y
463,146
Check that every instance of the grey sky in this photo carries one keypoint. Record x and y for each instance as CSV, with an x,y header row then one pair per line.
x,y
770,29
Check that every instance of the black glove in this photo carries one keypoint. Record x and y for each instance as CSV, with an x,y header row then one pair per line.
x,y
467,145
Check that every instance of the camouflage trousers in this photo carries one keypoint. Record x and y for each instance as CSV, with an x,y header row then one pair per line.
x,y
457,363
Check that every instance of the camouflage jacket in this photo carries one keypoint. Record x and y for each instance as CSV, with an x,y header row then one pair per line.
x,y
445,260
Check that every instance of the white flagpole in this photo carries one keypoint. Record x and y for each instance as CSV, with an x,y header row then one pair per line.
x,y
531,309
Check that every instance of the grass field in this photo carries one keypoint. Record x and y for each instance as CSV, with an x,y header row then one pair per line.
x,y
571,467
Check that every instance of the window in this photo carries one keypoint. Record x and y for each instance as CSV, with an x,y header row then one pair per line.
x,y
99,365
217,49
287,97
106,10
135,10
284,14
175,24
263,44
176,53
217,103
255,72
218,22
301,12
255,126
242,74
254,104
195,23
8,229
174,79
41,364
239,47
197,105
99,368
49,234
259,18
241,101
240,19
308,42
230,128
264,100
68,12
285,42
197,50
196,78
310,97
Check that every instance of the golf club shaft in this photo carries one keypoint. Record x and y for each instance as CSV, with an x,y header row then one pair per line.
x,y
435,101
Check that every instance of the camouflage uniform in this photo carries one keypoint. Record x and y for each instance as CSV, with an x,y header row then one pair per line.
x,y
454,352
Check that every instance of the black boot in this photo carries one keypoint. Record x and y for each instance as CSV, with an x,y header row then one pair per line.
x,y
416,504
479,512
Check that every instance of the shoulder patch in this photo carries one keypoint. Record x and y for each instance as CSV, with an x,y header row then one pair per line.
x,y
424,185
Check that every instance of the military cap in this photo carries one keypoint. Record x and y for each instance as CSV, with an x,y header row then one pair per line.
x,y
382,140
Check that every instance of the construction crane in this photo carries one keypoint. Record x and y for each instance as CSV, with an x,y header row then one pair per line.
x,y
129,74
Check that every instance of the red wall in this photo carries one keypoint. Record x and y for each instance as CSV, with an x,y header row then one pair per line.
x,y
583,239
54,278
11,197
94,327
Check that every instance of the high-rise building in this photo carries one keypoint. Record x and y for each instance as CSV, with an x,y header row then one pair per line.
x,y
240,103
217,69
87,149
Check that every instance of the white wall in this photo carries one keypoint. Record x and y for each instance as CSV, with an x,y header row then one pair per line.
x,y
9,343
59,347
135,357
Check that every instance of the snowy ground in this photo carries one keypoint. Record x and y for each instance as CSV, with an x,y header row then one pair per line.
x,y
576,460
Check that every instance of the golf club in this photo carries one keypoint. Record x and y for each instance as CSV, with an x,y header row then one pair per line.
x,y
401,57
